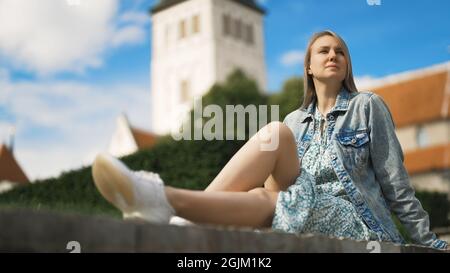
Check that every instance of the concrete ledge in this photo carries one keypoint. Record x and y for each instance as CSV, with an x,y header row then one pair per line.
x,y
32,231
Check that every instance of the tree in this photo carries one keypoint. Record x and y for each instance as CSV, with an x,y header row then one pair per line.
x,y
290,98
238,92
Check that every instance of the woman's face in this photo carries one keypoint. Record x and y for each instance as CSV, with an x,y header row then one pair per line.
x,y
327,60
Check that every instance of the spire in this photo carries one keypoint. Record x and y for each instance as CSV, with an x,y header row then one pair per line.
x,y
11,135
164,4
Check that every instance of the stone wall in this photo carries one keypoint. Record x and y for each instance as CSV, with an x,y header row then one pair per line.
x,y
38,231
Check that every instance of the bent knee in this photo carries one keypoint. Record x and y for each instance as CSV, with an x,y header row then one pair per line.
x,y
258,191
265,194
278,129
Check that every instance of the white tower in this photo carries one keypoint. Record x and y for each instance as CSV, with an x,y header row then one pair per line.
x,y
196,43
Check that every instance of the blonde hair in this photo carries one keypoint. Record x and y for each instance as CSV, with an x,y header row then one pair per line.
x,y
310,91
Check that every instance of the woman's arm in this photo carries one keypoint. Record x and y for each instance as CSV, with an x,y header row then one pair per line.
x,y
387,159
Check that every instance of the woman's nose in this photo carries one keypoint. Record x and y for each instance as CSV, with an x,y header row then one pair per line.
x,y
332,55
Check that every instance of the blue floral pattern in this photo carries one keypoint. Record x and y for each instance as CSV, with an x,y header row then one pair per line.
x,y
317,202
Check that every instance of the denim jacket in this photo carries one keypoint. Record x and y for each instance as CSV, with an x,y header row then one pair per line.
x,y
368,160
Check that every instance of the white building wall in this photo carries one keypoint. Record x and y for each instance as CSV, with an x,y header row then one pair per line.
x,y
7,186
419,137
122,142
432,134
431,181
438,133
407,138
231,52
201,59
175,60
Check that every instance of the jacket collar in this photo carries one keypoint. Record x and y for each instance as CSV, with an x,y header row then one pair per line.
x,y
341,104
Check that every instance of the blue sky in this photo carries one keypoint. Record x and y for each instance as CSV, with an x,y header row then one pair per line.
x,y
67,71
396,36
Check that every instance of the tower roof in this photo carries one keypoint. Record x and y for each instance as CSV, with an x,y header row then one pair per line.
x,y
165,4
9,168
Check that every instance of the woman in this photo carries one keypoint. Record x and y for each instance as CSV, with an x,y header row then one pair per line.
x,y
351,176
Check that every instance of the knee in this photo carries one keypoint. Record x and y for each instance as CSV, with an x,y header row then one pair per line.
x,y
269,196
277,129
261,192
283,130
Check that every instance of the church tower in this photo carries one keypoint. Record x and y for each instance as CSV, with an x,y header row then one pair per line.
x,y
196,43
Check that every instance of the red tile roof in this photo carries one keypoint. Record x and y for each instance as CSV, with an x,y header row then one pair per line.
x,y
9,168
143,139
428,159
417,100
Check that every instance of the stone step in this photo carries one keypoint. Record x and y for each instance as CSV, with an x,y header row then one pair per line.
x,y
41,231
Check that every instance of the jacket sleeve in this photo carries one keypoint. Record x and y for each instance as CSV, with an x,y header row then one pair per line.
x,y
387,158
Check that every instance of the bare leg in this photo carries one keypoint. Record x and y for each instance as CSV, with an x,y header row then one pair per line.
x,y
235,196
250,167
251,209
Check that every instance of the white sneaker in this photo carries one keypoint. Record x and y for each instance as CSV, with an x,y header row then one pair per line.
x,y
139,195
179,221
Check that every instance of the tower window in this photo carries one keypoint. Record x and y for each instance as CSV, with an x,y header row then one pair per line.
x,y
421,137
185,94
196,24
238,29
182,29
166,35
249,38
226,25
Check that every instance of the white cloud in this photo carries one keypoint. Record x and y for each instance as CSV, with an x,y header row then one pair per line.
x,y
62,125
51,36
365,82
133,31
133,17
4,74
292,58
5,131
4,84
128,35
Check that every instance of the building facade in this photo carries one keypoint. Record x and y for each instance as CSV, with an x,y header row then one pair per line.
x,y
420,105
197,43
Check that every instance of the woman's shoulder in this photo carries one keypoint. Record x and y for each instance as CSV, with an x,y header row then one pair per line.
x,y
362,95
294,116
371,103
295,120
365,98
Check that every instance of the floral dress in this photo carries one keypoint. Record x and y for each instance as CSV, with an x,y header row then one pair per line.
x,y
317,202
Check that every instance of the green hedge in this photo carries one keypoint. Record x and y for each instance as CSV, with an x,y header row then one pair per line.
x,y
184,164
438,207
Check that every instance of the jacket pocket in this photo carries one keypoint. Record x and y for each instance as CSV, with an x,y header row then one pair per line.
x,y
354,144
353,138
